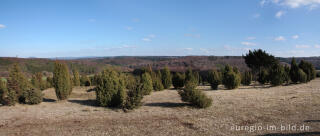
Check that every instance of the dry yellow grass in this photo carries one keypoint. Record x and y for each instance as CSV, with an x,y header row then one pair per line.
x,y
163,113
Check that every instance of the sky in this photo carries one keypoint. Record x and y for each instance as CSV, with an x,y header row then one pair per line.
x,y
78,28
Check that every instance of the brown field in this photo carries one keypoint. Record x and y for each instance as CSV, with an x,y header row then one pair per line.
x,y
163,113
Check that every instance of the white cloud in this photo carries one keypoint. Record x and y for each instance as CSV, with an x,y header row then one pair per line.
x,y
192,35
146,39
251,38
2,26
302,46
280,38
149,38
279,14
317,46
295,37
248,43
188,49
129,28
293,3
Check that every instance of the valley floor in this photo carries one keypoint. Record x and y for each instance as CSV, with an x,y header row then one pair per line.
x,y
269,109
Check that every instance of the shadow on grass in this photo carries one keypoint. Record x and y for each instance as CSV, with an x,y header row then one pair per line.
x,y
311,121
166,104
91,90
48,100
85,102
294,134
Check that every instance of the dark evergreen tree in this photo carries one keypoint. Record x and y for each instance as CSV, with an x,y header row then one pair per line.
x,y
294,75
277,75
246,78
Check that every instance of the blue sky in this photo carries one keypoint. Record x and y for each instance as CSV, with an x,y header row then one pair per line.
x,y
74,28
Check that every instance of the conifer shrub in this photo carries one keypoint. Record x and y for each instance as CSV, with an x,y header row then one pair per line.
x,y
85,81
294,71
32,96
49,82
3,90
308,69
263,76
178,80
302,77
62,81
110,89
277,75
246,78
9,98
215,79
231,79
76,77
286,74
146,82
191,80
318,74
134,97
195,97
38,82
166,77
156,81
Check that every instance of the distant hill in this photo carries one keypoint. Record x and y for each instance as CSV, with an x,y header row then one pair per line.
x,y
91,65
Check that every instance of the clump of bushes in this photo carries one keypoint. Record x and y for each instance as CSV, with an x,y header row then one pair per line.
x,y
38,82
215,79
166,77
110,89
308,69
263,76
231,79
178,80
246,78
18,89
195,97
62,81
302,77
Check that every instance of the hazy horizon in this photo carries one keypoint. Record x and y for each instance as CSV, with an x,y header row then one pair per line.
x,y
100,28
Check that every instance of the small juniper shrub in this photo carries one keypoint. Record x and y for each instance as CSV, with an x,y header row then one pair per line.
x,y
308,69
286,74
191,80
195,97
32,96
294,75
134,97
85,81
178,80
62,81
110,89
166,77
246,78
277,74
3,90
231,79
156,81
215,79
146,82
302,77
263,76
76,77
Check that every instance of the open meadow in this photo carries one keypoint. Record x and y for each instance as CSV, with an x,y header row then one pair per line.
x,y
163,113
